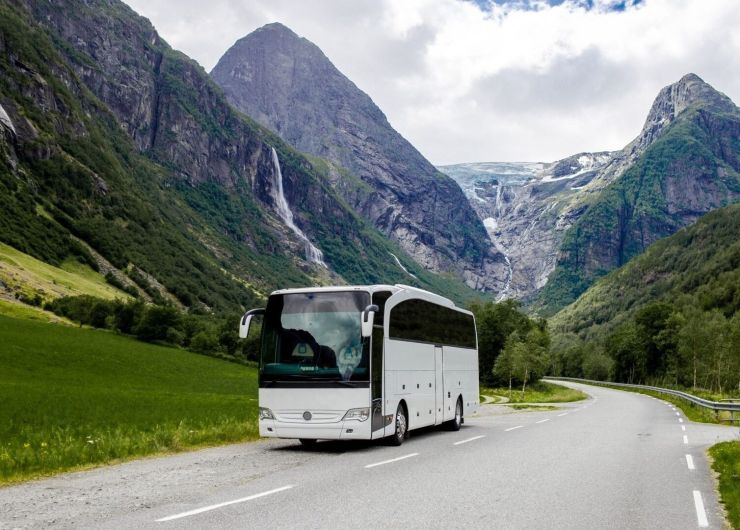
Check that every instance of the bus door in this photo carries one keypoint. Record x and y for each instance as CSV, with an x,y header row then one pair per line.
x,y
376,384
439,387
377,375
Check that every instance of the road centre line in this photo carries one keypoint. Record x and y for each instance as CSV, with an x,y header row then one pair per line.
x,y
683,428
677,414
513,428
685,439
470,439
543,421
222,504
701,514
680,420
563,414
690,462
391,460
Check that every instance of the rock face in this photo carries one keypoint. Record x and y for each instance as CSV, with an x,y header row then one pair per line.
x,y
287,84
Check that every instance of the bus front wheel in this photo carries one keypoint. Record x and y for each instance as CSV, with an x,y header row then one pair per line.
x,y
401,426
455,423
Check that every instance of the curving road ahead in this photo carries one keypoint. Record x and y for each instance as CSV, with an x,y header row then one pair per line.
x,y
618,460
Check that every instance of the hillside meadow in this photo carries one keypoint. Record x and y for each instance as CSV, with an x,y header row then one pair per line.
x,y
77,397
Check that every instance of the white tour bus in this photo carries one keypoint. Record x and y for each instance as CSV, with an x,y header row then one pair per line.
x,y
363,362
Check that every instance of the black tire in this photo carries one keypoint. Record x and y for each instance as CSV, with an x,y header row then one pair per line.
x,y
307,442
455,423
402,426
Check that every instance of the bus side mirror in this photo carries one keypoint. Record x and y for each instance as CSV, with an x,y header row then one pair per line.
x,y
246,320
368,317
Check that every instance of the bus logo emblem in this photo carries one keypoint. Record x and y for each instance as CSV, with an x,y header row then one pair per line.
x,y
307,416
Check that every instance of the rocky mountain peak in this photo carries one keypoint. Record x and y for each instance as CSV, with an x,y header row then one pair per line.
x,y
287,84
689,91
278,37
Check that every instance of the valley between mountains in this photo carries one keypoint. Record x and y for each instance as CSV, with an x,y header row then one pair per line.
x,y
154,201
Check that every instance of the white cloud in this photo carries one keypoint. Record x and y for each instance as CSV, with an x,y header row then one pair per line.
x,y
507,83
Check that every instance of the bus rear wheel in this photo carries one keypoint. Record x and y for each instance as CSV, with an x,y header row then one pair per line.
x,y
307,442
401,426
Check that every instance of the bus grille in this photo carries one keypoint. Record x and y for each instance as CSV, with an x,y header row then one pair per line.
x,y
317,416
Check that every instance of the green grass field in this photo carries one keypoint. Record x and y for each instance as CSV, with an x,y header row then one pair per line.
x,y
79,397
726,462
539,392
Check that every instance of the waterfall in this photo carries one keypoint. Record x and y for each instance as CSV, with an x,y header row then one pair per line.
x,y
6,121
313,254
404,269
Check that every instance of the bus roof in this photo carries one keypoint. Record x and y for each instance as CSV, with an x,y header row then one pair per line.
x,y
369,288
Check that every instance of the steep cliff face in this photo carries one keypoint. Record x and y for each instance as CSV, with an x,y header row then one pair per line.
x,y
688,164
113,144
526,209
287,84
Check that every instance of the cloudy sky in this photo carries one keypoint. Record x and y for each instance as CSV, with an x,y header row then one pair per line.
x,y
503,80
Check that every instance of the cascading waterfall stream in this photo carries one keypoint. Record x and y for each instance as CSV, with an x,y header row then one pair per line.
x,y
313,254
491,224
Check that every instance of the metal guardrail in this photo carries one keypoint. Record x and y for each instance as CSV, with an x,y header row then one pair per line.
x,y
716,406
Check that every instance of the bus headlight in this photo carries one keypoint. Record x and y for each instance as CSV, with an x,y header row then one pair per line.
x,y
357,414
266,414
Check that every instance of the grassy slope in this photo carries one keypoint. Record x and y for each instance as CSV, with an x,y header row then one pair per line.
x,y
16,309
539,392
702,260
726,462
27,275
78,397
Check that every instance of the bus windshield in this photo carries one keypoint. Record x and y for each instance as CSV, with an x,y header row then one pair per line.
x,y
314,337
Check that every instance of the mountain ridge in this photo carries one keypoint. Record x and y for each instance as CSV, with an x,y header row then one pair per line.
x,y
533,210
689,164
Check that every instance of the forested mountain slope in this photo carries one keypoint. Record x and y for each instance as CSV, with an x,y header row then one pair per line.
x,y
700,263
118,150
670,316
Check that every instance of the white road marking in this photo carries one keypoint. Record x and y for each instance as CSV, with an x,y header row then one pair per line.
x,y
221,505
680,420
685,439
701,514
513,428
470,439
683,428
563,414
677,414
391,460
543,421
690,462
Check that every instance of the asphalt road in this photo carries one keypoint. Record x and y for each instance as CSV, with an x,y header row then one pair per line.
x,y
618,460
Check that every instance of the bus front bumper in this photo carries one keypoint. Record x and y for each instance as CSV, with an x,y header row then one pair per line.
x,y
342,430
